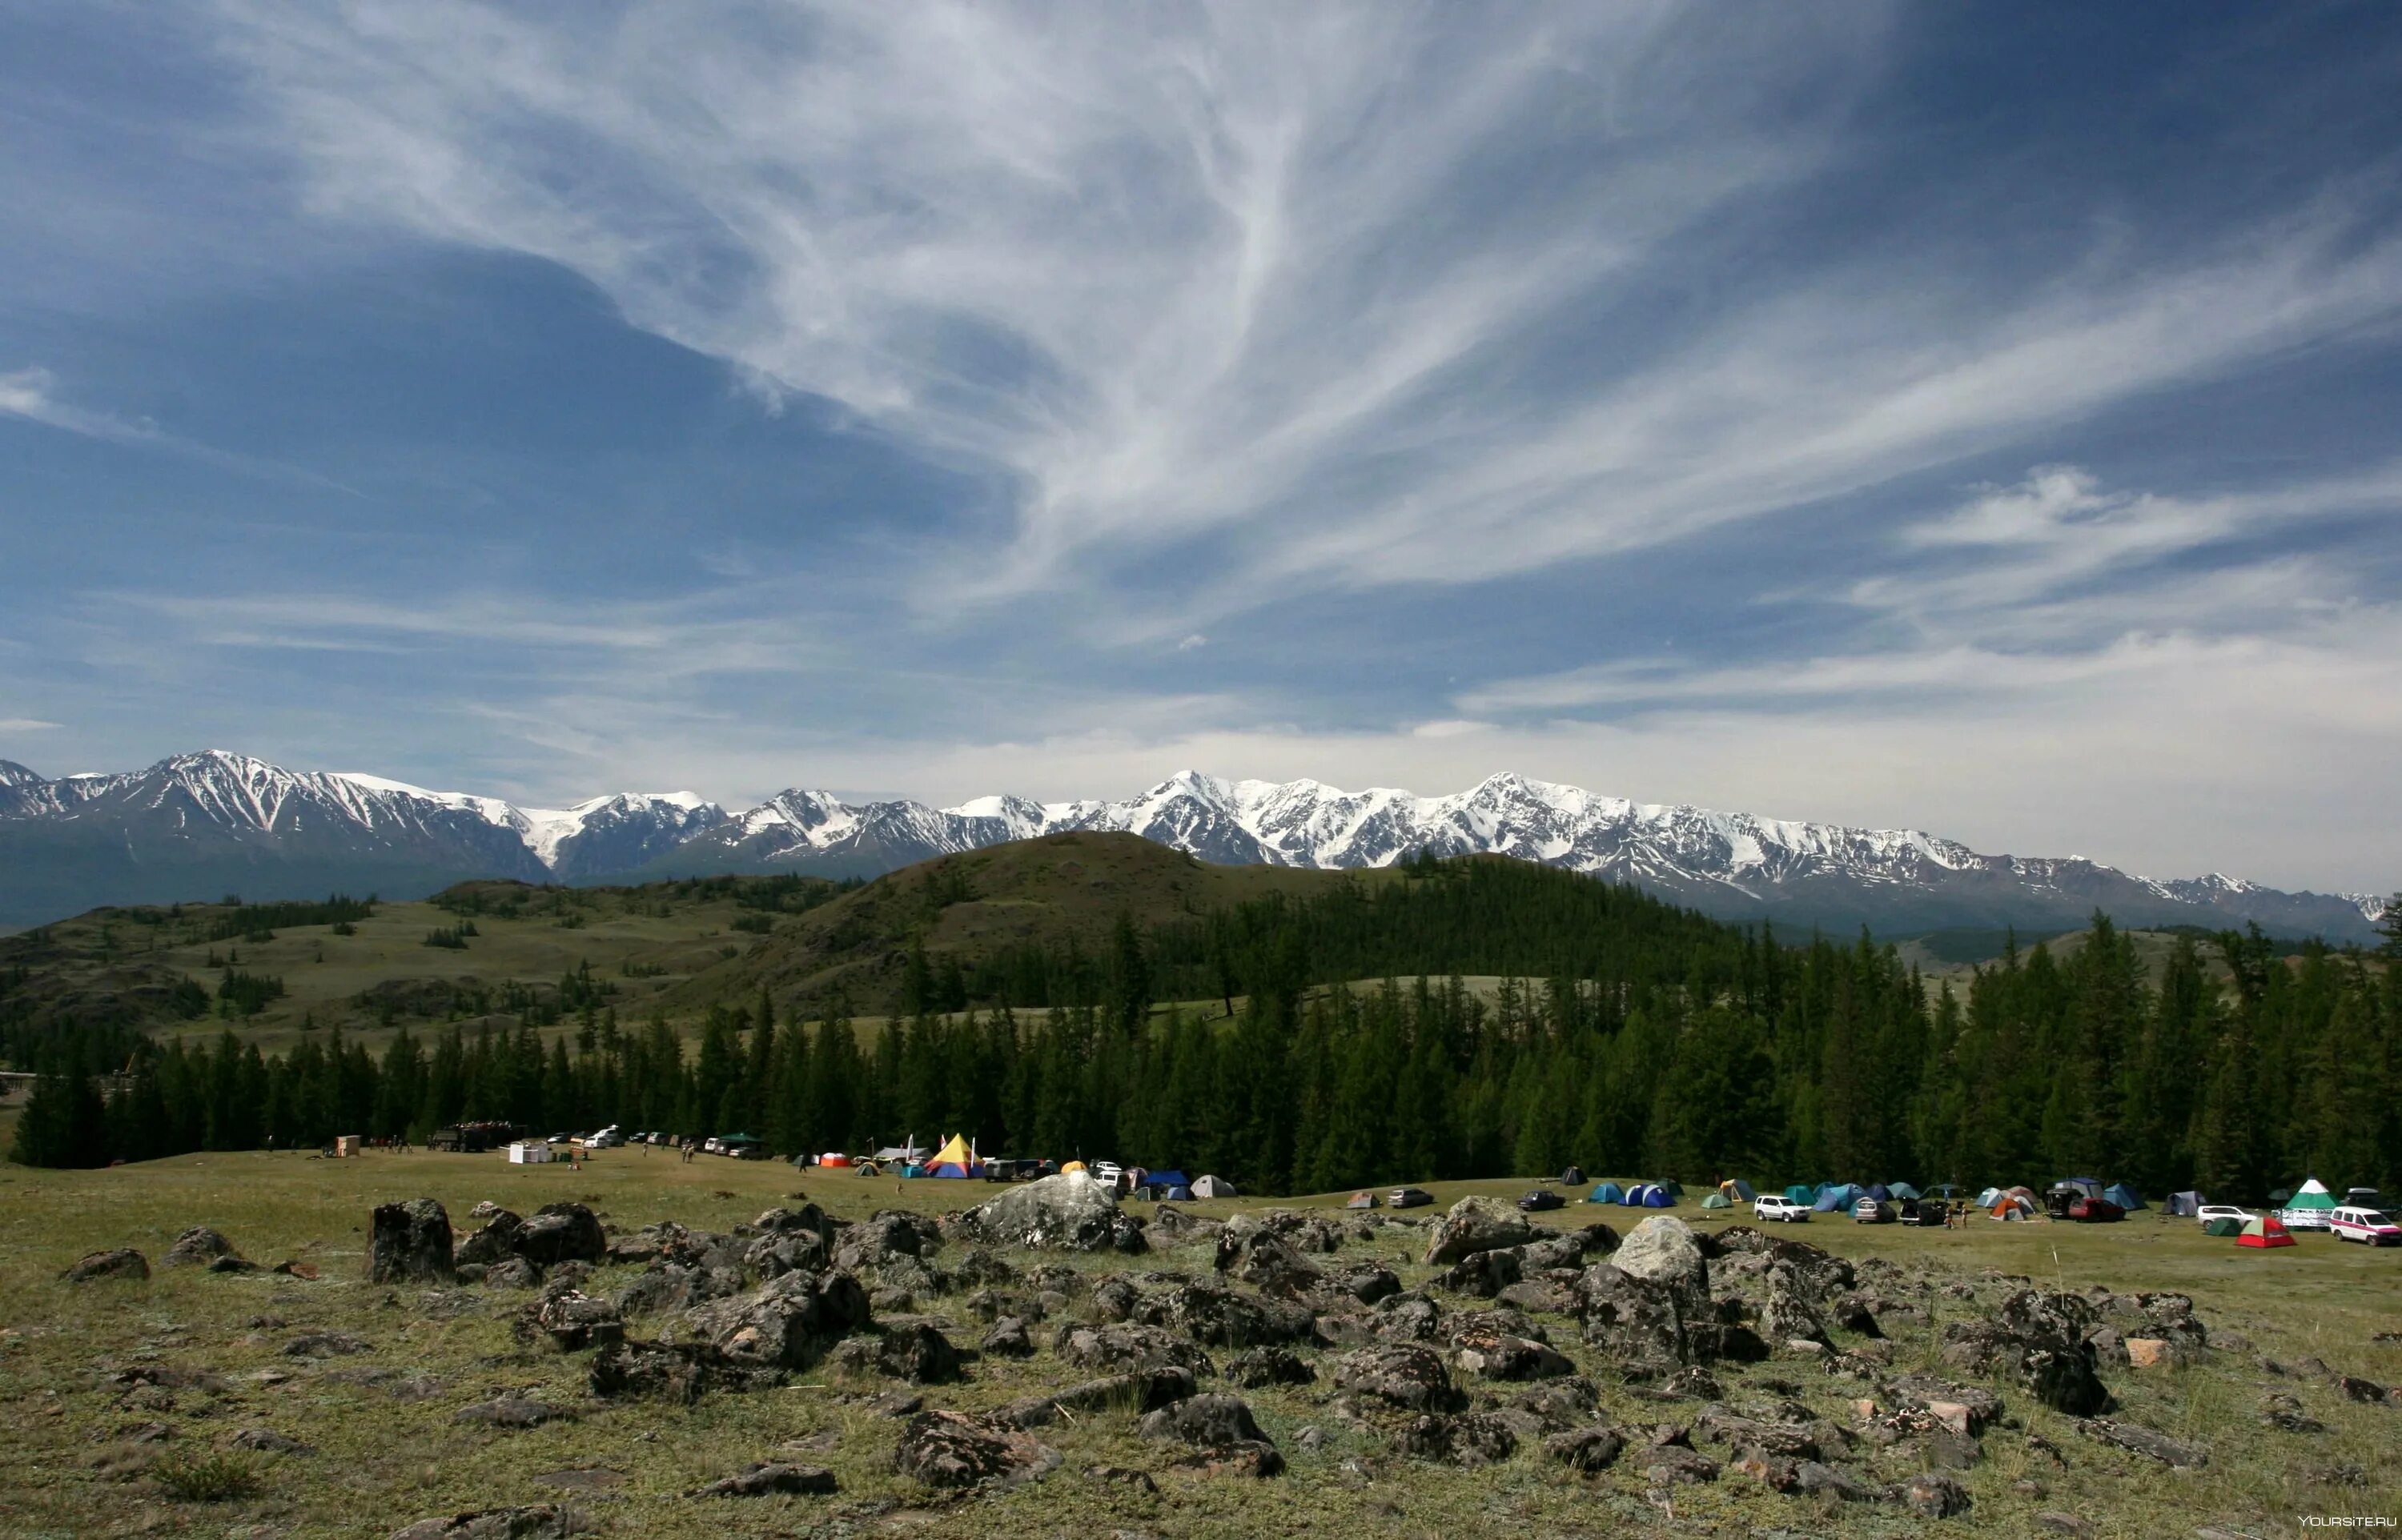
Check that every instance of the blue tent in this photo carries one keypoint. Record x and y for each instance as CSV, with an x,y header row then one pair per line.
x,y
1838,1199
1658,1197
1606,1192
1633,1196
1880,1192
2125,1197
1164,1179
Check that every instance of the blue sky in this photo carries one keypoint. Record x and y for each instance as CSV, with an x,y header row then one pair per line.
x,y
1966,417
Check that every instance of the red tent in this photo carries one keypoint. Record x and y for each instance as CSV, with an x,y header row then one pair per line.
x,y
2264,1232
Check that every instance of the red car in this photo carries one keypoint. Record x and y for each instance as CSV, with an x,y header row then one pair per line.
x,y
2096,1211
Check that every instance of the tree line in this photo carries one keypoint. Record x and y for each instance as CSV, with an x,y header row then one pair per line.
x,y
1624,1035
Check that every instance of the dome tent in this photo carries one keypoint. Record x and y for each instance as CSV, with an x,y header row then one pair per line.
x,y
1213,1186
1904,1192
1572,1176
1633,1196
2225,1225
1359,1199
1718,1199
1801,1194
1838,1199
1606,1192
2126,1197
1988,1198
1657,1196
1877,1191
1738,1190
1670,1185
2263,1234
2185,1205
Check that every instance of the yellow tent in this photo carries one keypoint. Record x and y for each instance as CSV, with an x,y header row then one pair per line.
x,y
954,1160
1071,1165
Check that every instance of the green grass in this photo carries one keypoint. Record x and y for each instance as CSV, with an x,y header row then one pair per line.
x,y
382,1462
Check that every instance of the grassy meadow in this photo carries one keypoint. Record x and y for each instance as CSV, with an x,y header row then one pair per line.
x,y
386,1447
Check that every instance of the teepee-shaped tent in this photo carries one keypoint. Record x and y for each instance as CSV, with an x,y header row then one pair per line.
x,y
2310,1206
2263,1233
955,1159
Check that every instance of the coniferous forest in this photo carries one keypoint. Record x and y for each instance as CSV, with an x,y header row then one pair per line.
x,y
1625,1036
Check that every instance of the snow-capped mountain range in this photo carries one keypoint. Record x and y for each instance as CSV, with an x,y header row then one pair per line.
x,y
199,824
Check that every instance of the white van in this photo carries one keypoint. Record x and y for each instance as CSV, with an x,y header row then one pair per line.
x,y
2369,1225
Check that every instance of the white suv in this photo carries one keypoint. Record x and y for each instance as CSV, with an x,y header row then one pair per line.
x,y
1778,1206
2208,1212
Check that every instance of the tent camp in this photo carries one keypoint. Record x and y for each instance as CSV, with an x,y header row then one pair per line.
x,y
1669,1186
2226,1224
1801,1194
1359,1199
2309,1207
1073,1165
2082,1186
1738,1190
2185,1205
1572,1176
1988,1198
1656,1195
1164,1179
2264,1232
1718,1199
1177,1194
1633,1196
1903,1192
2014,1205
1606,1193
2126,1197
1879,1192
1838,1199
1214,1187
955,1160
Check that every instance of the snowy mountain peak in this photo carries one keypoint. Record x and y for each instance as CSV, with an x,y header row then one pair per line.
x,y
1730,863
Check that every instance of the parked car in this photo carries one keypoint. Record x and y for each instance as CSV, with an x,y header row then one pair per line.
x,y
1107,1172
2208,1212
2369,1225
1775,1206
1539,1199
1868,1211
1410,1197
2094,1211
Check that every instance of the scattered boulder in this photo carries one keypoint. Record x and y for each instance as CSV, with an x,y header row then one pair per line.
x,y
1127,1347
1472,1440
540,1521
1402,1374
769,1479
511,1272
1268,1262
1268,1365
786,1322
573,1321
673,1372
410,1243
513,1411
953,1450
1586,1450
2041,1339
561,1232
2145,1441
1217,1316
124,1262
1676,1465
1222,1428
1143,1390
198,1247
497,1240
915,1350
1481,1273
1008,1339
324,1345
268,1442
1476,1224
1069,1211
1932,1496
1489,1354
1368,1285
1662,1249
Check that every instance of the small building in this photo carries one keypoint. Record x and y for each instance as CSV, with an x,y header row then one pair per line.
x,y
529,1152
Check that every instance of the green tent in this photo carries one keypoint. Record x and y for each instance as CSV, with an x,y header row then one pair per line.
x,y
1670,1187
1718,1199
2224,1227
1900,1191
1802,1193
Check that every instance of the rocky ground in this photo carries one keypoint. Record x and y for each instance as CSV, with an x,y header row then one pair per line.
x,y
1048,1362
